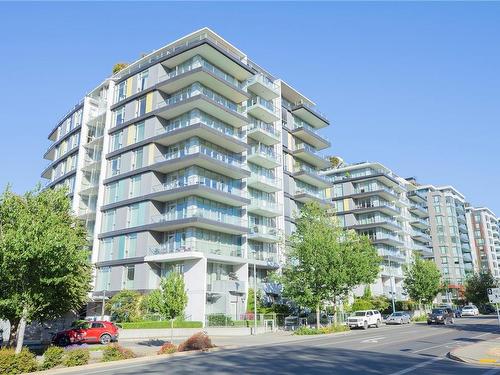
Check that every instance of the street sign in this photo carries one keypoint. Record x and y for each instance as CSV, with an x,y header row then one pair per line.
x,y
494,295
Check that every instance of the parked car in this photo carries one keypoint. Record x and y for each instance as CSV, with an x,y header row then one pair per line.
x,y
458,313
365,319
87,332
470,310
398,317
441,316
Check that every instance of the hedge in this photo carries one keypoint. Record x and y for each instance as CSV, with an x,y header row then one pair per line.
x,y
160,324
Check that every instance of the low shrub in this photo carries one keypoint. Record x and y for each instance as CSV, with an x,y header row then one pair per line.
x,y
419,318
322,331
219,320
76,357
52,357
161,324
199,341
115,352
12,363
167,348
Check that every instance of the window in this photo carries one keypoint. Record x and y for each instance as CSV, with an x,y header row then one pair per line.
x,y
437,209
139,132
437,199
121,91
135,186
140,107
121,247
138,158
117,141
109,220
115,166
131,245
103,278
97,325
120,116
443,250
142,80
136,214
106,249
128,277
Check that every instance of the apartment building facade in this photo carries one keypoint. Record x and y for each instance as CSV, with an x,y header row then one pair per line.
x,y
192,159
484,234
371,199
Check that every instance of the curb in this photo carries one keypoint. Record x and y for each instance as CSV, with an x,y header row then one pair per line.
x,y
470,361
146,359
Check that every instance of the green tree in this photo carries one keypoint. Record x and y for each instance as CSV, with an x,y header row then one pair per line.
x,y
44,266
125,306
324,261
250,302
119,66
476,286
171,299
422,280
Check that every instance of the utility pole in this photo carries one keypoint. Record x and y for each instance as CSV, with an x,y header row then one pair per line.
x,y
103,303
255,294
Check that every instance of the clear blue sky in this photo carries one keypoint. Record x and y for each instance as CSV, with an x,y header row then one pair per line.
x,y
415,86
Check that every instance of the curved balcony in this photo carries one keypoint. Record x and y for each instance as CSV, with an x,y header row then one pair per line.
x,y
263,87
263,132
262,109
264,156
192,249
194,217
202,187
204,157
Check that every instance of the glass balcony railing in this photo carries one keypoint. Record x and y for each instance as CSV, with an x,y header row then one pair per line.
x,y
193,244
264,256
189,213
317,194
267,152
263,205
197,62
392,253
265,81
198,89
383,236
264,126
377,187
379,220
214,154
392,271
415,220
262,230
267,104
265,179
377,204
200,181
196,117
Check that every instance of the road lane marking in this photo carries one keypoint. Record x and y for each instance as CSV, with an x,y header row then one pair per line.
x,y
373,339
457,341
423,364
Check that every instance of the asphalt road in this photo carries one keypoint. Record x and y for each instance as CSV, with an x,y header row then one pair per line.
x,y
389,350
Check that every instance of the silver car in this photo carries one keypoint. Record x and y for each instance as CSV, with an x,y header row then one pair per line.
x,y
398,317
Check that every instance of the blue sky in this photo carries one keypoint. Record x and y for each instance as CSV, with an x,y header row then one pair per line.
x,y
412,85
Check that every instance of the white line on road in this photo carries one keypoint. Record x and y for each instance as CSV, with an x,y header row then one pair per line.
x,y
373,339
448,343
423,364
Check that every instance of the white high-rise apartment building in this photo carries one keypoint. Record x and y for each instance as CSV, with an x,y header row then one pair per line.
x,y
191,159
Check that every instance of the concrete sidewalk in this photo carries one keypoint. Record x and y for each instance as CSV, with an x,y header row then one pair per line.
x,y
480,353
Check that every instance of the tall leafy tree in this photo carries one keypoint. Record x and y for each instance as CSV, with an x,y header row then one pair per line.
x,y
125,306
422,280
324,261
171,299
476,287
44,267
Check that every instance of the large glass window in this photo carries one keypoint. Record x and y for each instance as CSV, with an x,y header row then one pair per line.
x,y
106,249
138,158
142,80
117,141
136,214
103,278
128,277
121,91
120,115
139,132
141,107
135,186
115,165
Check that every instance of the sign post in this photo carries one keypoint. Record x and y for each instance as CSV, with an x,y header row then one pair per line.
x,y
494,297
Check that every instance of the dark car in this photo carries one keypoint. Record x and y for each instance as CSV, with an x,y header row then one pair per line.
x,y
87,332
458,313
441,316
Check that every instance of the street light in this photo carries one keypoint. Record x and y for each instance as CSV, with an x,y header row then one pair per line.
x,y
255,292
393,286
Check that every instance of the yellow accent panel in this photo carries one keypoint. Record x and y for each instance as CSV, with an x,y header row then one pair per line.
x,y
129,87
290,141
130,134
346,204
328,192
149,102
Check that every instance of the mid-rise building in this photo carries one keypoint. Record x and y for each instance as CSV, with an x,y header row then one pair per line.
x,y
484,234
191,159
374,201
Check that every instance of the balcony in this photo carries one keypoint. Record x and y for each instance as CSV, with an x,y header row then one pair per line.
x,y
263,132
378,206
194,217
89,188
464,238
420,236
194,249
202,187
263,259
262,109
269,184
264,156
392,271
308,134
386,238
393,255
262,86
418,222
307,195
200,97
309,155
310,115
418,196
263,233
200,70
264,208
226,286
418,210
379,190
311,176
463,228
461,219
204,157
199,124
378,222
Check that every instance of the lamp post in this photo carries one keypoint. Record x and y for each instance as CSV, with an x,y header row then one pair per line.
x,y
255,292
393,287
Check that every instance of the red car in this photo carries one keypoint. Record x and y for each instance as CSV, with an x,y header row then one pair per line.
x,y
87,332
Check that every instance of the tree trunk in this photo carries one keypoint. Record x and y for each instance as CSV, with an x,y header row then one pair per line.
x,y
318,324
14,323
20,331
